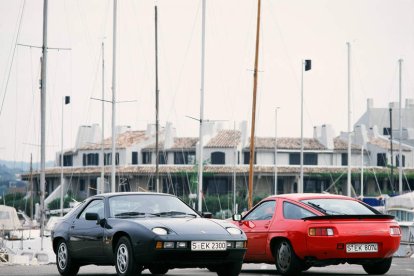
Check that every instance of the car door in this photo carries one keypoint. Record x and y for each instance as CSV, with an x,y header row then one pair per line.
x,y
86,236
256,225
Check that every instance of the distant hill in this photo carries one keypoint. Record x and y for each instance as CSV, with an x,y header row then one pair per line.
x,y
20,167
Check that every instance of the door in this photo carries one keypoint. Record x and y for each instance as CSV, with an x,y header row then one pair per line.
x,y
86,236
256,225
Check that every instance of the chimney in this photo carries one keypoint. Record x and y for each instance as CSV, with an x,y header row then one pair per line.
x,y
170,134
88,134
393,105
361,135
150,130
325,135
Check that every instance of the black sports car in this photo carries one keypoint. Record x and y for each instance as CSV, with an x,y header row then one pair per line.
x,y
137,231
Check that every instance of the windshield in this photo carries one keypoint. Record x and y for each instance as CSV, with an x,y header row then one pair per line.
x,y
335,206
148,205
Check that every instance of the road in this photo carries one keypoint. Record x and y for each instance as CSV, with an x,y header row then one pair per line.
x,y
400,266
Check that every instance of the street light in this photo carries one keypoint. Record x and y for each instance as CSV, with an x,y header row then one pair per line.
x,y
65,101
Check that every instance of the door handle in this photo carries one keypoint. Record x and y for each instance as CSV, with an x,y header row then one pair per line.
x,y
266,225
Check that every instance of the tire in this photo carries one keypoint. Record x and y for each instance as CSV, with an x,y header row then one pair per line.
x,y
286,261
65,265
158,270
231,269
378,268
124,259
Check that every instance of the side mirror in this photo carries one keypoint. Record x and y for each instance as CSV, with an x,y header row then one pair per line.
x,y
207,215
237,217
92,216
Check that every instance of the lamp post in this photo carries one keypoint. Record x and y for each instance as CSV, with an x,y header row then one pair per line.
x,y
306,66
276,150
65,101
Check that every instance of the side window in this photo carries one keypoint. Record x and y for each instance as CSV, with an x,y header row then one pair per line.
x,y
95,206
264,211
293,211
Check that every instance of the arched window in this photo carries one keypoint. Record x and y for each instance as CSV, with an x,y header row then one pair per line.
x,y
218,158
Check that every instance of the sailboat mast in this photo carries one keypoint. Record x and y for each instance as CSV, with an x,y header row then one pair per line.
x,y
43,123
113,177
400,161
102,184
348,186
200,142
252,136
157,92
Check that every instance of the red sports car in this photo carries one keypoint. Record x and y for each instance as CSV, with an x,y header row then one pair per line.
x,y
298,231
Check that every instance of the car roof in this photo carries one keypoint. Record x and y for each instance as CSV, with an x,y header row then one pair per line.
x,y
304,196
129,193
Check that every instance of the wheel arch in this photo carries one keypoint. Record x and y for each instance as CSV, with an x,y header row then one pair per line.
x,y
118,236
56,241
275,240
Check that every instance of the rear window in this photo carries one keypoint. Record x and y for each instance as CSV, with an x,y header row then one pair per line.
x,y
335,206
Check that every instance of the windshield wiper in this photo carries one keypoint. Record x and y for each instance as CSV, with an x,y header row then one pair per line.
x,y
172,213
318,207
129,214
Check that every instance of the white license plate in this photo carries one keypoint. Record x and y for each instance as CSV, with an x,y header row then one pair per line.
x,y
208,245
361,247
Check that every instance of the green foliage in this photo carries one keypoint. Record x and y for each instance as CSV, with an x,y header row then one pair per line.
x,y
18,201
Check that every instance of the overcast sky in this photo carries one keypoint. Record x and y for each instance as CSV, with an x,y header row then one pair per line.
x,y
380,32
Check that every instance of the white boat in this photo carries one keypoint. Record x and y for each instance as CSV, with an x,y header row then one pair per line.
x,y
402,208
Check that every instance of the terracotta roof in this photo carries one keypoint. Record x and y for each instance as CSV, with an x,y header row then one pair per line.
x,y
225,139
176,169
288,143
385,144
340,144
124,140
179,144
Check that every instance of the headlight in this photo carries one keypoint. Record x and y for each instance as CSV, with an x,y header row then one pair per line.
x,y
234,231
160,231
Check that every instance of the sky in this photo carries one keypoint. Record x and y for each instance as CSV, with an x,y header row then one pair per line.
x,y
380,33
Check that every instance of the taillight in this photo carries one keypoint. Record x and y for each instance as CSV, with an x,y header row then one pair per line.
x,y
321,231
395,231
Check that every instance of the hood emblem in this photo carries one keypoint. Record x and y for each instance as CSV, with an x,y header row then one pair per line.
x,y
202,231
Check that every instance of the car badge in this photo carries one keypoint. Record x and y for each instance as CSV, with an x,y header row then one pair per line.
x,y
204,232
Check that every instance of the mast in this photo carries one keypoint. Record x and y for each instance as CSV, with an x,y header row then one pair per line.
x,y
400,161
31,187
252,136
392,154
113,177
102,184
43,123
276,150
200,145
300,184
348,186
234,169
157,92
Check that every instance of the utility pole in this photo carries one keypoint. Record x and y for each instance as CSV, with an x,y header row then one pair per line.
x,y
252,135
113,155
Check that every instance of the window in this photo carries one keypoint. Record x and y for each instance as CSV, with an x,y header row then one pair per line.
x,y
310,159
246,157
95,206
344,159
162,158
294,159
386,131
134,158
218,158
293,211
67,160
340,206
82,185
264,211
382,159
90,159
185,157
398,161
108,159
146,157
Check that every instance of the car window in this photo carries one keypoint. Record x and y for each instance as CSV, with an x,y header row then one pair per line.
x,y
95,206
339,206
264,211
148,205
293,211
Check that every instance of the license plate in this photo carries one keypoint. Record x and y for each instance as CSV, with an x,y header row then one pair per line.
x,y
361,247
208,245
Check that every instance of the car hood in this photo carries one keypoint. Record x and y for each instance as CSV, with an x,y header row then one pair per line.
x,y
187,226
